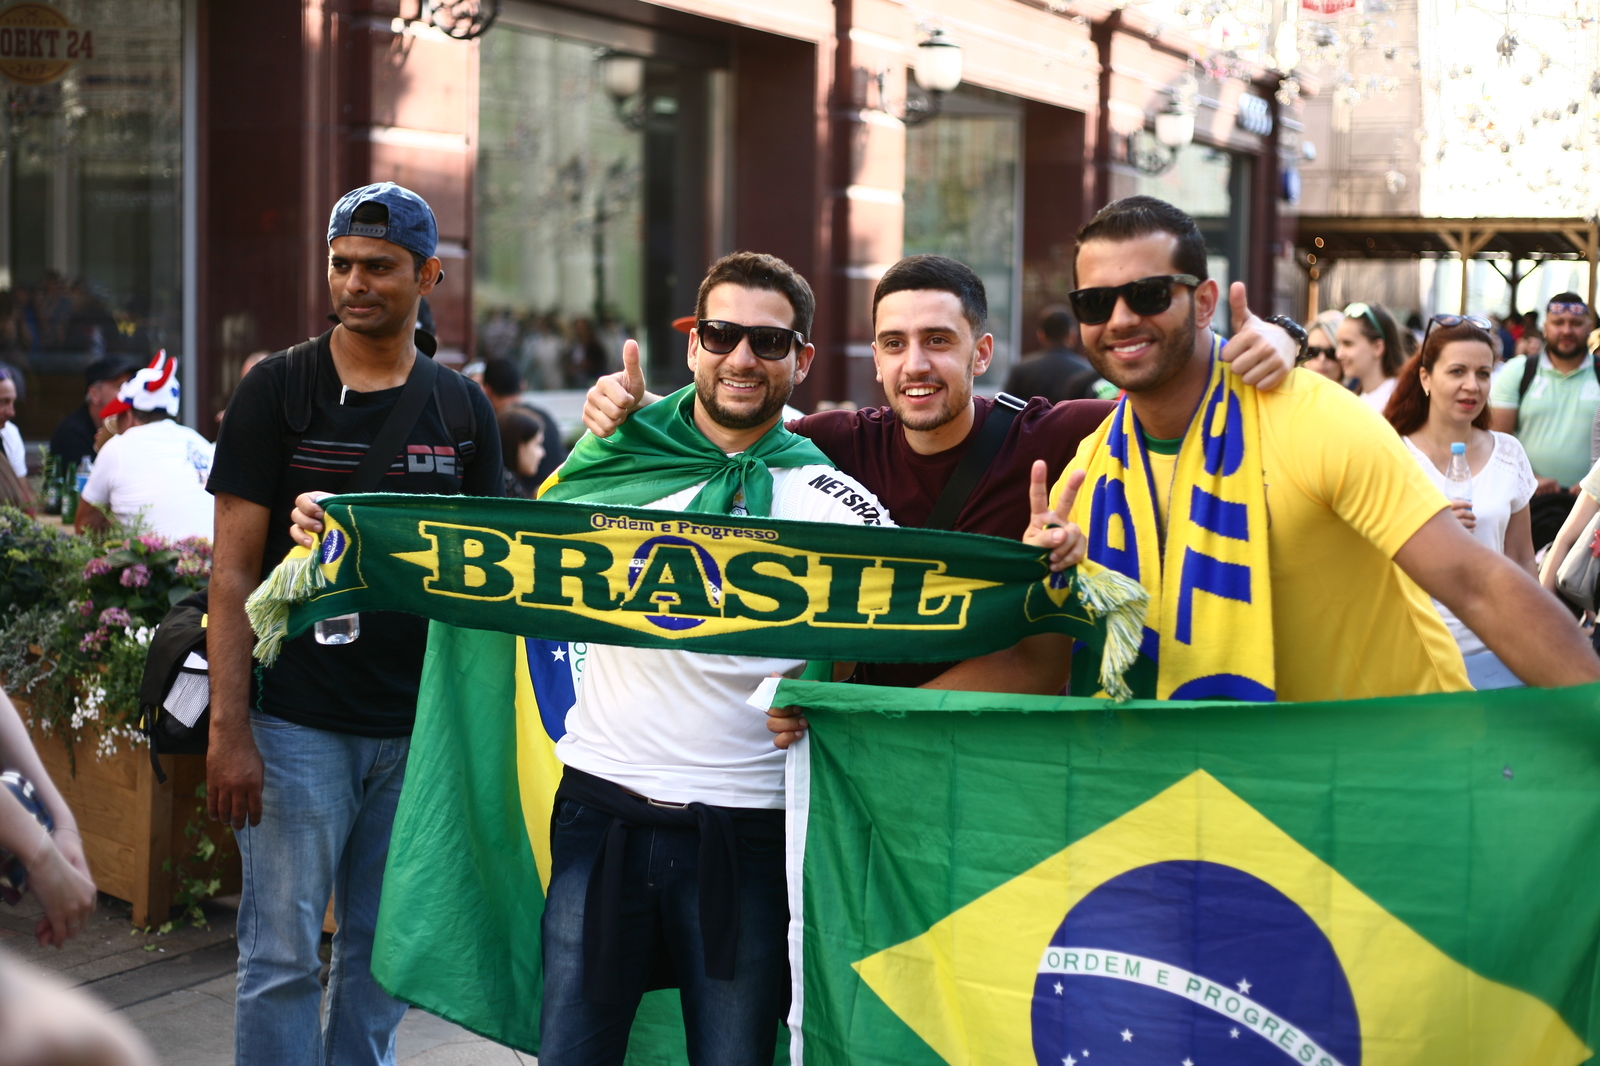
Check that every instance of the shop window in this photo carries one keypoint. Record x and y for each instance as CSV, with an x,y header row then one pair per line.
x,y
1213,186
962,198
90,173
590,214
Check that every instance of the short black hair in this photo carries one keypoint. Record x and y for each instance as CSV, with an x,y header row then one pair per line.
x,y
501,378
376,213
1139,216
757,270
936,273
144,418
1056,323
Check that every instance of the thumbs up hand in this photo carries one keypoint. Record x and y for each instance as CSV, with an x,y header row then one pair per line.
x,y
1261,353
613,397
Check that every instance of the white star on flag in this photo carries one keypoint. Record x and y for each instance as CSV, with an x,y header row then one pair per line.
x,y
1234,1032
1059,988
560,654
1243,986
1188,1062
1069,1061
1127,1036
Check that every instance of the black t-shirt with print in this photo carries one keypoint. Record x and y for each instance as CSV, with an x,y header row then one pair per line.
x,y
367,687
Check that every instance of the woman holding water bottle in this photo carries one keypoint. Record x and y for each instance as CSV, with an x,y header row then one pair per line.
x,y
1440,407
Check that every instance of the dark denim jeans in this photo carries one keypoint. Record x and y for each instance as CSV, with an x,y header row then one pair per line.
x,y
728,1023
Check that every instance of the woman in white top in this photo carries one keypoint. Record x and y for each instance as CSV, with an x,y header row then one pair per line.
x,y
1370,352
1441,397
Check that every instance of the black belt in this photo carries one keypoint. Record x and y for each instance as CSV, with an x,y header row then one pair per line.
x,y
720,829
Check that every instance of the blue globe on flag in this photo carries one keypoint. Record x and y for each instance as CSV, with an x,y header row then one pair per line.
x,y
1189,963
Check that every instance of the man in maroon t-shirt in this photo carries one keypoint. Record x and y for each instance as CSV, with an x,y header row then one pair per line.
x,y
928,344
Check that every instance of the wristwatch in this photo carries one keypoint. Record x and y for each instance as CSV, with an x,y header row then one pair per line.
x,y
1293,329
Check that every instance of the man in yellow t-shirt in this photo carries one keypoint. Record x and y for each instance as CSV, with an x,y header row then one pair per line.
x,y
1358,537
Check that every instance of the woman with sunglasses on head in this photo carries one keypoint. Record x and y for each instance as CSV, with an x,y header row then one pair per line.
x,y
1322,346
1440,398
1370,350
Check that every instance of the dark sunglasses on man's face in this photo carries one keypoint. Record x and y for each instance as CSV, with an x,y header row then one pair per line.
x,y
1145,297
767,342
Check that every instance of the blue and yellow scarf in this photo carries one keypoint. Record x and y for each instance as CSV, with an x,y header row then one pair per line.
x,y
1208,632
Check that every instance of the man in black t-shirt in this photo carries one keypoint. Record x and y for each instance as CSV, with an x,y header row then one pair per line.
x,y
73,439
309,774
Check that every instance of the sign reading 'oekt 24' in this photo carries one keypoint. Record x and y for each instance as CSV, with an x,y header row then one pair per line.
x,y
708,583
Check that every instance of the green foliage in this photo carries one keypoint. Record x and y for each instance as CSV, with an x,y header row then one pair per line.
x,y
194,871
76,617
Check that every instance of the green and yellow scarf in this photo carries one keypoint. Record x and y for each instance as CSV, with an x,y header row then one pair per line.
x,y
1208,632
658,451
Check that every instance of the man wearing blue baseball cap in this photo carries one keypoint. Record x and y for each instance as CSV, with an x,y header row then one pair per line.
x,y
308,767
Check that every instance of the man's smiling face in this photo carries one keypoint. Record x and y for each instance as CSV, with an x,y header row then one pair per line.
x,y
926,356
1142,352
738,390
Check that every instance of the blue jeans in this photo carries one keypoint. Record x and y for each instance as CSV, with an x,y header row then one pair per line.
x,y
727,1023
327,806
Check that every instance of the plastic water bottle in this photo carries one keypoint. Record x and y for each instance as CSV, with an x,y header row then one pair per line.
x,y
1458,474
341,629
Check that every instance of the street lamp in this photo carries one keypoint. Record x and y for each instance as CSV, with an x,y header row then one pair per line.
x,y
1174,132
938,72
622,77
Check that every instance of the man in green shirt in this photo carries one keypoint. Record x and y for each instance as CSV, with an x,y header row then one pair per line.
x,y
1552,410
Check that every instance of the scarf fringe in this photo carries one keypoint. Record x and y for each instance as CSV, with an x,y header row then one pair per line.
x,y
1122,601
293,581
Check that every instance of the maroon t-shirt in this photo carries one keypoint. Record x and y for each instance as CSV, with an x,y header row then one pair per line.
x,y
871,447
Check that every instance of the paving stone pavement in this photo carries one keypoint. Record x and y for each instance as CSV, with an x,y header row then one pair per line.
x,y
177,987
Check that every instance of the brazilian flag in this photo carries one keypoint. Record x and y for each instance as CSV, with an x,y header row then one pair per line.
x,y
1070,883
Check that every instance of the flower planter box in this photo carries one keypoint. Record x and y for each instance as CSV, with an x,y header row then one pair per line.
x,y
132,826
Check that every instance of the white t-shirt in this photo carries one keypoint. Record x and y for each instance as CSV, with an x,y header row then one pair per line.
x,y
1378,398
16,452
1503,487
157,471
674,725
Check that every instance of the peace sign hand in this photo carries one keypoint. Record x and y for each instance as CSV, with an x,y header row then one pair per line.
x,y
1050,529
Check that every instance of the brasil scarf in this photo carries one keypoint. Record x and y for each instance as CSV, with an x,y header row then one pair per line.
x,y
1208,634
658,451
666,579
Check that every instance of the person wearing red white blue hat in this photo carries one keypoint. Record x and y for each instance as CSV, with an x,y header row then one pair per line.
x,y
152,473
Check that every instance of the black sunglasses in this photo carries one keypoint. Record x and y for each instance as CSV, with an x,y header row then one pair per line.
x,y
1316,351
1456,320
1146,296
767,342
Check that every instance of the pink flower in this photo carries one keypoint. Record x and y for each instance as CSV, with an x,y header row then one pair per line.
x,y
91,642
136,576
96,567
115,616
86,608
191,564
154,542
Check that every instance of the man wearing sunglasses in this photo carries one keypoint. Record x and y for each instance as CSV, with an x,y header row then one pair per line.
x,y
1549,401
925,454
1253,520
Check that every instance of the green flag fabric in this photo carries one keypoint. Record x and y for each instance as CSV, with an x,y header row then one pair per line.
x,y
658,451
664,579
1066,881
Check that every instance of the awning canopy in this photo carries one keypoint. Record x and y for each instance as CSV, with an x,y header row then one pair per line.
x,y
1323,239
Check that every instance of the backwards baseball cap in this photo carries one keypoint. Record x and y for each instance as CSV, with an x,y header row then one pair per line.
x,y
154,388
409,223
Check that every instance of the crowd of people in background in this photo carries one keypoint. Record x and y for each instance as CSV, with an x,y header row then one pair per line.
x,y
552,351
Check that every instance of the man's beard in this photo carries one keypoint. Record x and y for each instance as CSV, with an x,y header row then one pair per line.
x,y
1173,351
1576,351
706,392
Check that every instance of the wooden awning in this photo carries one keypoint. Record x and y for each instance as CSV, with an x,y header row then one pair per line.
x,y
1323,239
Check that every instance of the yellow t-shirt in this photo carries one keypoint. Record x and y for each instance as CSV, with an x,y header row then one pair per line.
x,y
1342,497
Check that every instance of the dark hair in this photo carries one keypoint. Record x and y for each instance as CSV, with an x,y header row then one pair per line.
x,y
1394,356
1139,216
500,377
518,426
1407,410
1565,298
1056,323
144,418
936,273
376,213
757,270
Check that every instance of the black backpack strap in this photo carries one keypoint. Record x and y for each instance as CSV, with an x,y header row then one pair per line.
x,y
972,466
455,410
300,386
368,474
1530,370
